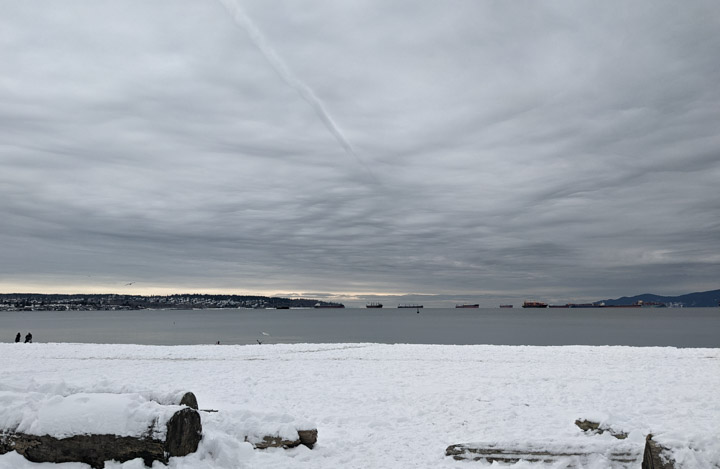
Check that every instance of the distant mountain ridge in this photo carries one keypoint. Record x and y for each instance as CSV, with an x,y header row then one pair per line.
x,y
697,299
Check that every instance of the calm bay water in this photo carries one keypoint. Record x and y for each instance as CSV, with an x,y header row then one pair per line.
x,y
681,327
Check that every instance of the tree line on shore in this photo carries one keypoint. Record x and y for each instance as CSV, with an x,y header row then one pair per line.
x,y
64,302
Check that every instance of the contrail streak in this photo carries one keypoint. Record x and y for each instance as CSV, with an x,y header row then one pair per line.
x,y
305,92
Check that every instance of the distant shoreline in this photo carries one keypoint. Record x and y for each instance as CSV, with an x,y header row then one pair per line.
x,y
124,302
116,302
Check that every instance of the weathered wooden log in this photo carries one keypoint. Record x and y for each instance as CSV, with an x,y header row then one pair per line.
x,y
182,436
305,437
308,437
589,426
189,399
178,398
491,453
184,432
656,456
93,450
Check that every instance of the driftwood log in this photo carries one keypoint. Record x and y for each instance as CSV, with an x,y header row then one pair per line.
x,y
656,456
305,437
182,398
189,399
588,426
184,432
491,453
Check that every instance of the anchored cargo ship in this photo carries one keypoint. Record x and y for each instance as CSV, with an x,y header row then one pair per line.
x,y
374,305
410,306
651,304
506,306
331,305
467,306
534,304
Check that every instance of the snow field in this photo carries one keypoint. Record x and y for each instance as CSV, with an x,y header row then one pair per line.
x,y
394,406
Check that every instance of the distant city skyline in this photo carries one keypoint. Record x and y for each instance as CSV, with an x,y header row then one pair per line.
x,y
481,151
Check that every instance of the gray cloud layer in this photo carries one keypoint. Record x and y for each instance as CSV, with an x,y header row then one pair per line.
x,y
562,149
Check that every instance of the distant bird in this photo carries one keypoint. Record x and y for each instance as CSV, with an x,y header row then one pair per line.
x,y
265,333
129,283
258,341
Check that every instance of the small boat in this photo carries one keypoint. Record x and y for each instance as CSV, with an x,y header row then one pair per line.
x,y
374,305
534,304
467,306
410,306
506,306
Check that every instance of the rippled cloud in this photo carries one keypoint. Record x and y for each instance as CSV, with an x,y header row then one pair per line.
x,y
563,150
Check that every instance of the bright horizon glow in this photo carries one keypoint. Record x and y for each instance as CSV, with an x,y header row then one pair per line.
x,y
137,289
486,298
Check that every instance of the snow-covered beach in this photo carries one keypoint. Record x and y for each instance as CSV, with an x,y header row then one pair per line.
x,y
392,406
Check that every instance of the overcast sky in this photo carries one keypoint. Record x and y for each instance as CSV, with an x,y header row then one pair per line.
x,y
483,150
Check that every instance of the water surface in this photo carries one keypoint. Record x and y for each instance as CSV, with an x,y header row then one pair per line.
x,y
679,327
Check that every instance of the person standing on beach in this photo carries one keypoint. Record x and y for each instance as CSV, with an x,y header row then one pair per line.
x,y
17,338
28,338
